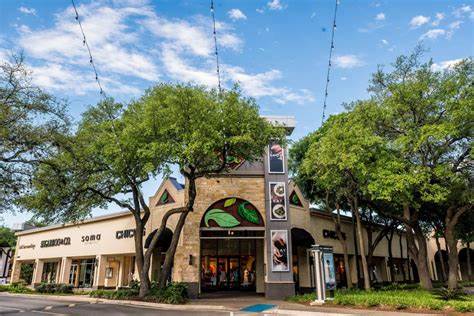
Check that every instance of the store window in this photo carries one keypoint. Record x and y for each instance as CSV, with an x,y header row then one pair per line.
x,y
50,270
82,273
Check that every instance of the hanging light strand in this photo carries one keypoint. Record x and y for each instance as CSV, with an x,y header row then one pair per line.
x,y
330,61
86,44
215,46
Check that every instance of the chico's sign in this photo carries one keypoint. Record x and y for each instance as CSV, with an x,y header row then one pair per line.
x,y
126,233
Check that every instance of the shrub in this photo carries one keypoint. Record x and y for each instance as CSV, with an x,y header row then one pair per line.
x,y
173,293
54,288
447,294
18,287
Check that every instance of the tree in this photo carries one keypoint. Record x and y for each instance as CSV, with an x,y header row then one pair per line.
x,y
7,237
340,160
313,190
30,121
427,121
465,233
117,148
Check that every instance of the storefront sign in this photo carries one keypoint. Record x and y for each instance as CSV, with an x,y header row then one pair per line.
x,y
278,201
30,246
88,238
332,234
275,158
126,233
279,250
231,212
55,242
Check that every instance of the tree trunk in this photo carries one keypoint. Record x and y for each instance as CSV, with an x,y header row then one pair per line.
x,y
337,224
142,266
441,259
166,270
355,212
451,219
390,255
468,259
418,253
401,256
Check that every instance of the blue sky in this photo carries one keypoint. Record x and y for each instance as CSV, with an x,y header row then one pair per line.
x,y
276,50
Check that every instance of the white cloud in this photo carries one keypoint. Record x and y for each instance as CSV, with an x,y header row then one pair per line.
x,y
455,25
348,61
433,34
385,42
380,16
313,15
260,10
462,10
236,14
419,20
438,18
275,5
343,78
131,43
26,10
445,64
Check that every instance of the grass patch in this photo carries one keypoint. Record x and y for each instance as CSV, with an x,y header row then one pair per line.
x,y
394,299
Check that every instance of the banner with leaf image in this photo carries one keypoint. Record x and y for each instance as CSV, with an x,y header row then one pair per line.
x,y
232,212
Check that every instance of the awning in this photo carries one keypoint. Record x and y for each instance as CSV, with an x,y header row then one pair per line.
x,y
164,240
301,237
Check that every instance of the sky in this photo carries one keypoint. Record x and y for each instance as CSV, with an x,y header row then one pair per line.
x,y
277,50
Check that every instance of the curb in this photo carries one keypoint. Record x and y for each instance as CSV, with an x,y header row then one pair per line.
x,y
125,302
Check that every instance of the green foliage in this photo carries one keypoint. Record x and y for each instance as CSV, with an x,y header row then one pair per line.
x,y
17,287
392,299
7,237
54,288
447,294
31,120
173,293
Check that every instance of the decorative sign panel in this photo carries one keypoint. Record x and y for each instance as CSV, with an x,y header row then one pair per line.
x,y
276,158
231,212
295,199
165,198
280,251
278,201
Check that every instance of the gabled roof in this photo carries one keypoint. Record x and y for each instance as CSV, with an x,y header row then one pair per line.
x,y
176,184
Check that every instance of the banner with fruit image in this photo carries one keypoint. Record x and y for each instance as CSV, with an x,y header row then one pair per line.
x,y
278,201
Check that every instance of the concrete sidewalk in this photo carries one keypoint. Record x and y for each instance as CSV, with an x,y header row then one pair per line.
x,y
233,305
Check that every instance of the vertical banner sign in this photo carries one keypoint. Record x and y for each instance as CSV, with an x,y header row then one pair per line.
x,y
275,158
329,271
279,250
278,201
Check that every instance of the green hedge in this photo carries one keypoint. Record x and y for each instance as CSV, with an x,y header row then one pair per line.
x,y
54,288
394,299
15,288
173,293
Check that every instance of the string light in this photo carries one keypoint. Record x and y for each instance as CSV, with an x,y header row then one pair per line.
x,y
215,46
86,44
330,61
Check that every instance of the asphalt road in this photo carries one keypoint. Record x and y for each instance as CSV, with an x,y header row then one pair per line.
x,y
23,305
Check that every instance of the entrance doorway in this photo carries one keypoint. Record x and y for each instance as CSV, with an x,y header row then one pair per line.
x,y
228,264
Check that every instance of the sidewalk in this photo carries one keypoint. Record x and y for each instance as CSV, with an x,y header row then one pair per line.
x,y
232,305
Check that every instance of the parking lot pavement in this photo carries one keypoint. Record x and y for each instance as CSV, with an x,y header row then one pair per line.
x,y
25,305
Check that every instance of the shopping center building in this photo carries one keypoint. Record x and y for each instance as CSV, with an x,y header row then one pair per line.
x,y
250,231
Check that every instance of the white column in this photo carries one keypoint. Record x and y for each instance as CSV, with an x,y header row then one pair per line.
x,y
99,276
38,271
65,270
